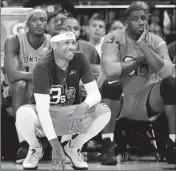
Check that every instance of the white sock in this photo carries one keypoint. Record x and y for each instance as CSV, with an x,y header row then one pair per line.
x,y
67,137
109,135
20,138
25,122
172,137
97,125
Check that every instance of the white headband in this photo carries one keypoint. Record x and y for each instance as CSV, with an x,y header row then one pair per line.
x,y
34,11
63,36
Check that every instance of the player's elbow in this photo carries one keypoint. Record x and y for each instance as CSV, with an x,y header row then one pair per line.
x,y
166,71
111,70
111,73
98,97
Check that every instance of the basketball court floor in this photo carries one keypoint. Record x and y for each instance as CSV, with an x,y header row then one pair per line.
x,y
142,164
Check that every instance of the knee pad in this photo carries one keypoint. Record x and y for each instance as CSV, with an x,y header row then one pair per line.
x,y
111,90
168,90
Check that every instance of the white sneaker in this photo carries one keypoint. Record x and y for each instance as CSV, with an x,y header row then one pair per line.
x,y
32,159
76,158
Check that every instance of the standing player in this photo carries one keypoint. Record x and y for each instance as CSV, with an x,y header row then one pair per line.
x,y
57,110
140,60
22,52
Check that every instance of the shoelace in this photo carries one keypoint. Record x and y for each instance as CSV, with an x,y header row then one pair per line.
x,y
79,156
31,157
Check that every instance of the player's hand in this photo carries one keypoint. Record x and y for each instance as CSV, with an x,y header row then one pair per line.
x,y
142,38
140,60
58,158
76,124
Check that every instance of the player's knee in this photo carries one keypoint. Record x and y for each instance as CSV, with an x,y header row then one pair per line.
x,y
111,90
103,110
17,87
24,113
168,90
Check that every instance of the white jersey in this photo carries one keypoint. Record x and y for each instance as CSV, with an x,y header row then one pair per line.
x,y
98,47
28,56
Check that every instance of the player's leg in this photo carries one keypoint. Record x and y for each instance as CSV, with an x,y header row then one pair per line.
x,y
17,94
20,93
170,111
111,94
164,94
95,120
26,122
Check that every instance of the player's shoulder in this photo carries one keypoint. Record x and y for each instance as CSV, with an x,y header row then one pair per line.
x,y
12,44
46,63
118,34
48,36
12,38
78,55
155,40
79,58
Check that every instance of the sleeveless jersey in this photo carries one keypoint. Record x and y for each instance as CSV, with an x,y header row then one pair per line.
x,y
119,47
28,56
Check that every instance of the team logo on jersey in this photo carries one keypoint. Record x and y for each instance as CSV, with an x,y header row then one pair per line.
x,y
61,94
142,70
72,72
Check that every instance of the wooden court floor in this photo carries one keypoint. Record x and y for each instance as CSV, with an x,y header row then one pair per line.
x,y
133,165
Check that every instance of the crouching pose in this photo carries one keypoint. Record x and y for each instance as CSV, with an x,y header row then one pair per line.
x,y
56,110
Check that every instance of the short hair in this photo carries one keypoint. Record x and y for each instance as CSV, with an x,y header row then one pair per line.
x,y
96,18
68,18
59,31
55,13
137,6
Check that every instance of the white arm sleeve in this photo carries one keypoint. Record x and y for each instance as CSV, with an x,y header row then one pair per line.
x,y
42,106
93,94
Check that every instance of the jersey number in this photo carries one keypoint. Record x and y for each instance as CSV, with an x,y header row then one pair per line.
x,y
55,94
140,71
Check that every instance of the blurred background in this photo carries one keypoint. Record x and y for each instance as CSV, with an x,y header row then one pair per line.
x,y
162,21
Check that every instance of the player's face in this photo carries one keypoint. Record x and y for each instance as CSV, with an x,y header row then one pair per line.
x,y
96,29
50,26
66,49
37,24
58,20
135,22
73,26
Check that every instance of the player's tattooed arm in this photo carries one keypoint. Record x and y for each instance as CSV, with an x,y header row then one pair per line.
x,y
11,61
58,156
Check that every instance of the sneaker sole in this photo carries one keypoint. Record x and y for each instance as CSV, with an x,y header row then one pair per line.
x,y
72,164
20,161
34,168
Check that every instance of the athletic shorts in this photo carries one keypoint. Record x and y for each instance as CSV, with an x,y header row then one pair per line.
x,y
61,117
135,106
